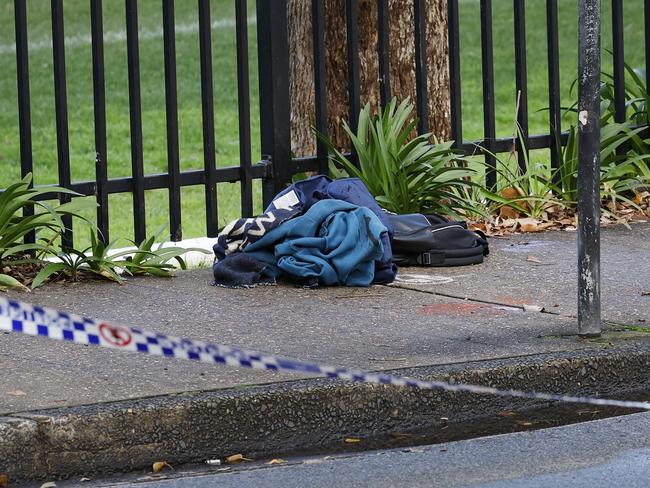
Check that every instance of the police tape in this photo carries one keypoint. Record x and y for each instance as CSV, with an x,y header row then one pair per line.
x,y
32,320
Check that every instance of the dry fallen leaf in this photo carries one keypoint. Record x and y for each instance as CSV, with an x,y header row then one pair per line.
x,y
236,458
276,461
611,206
508,212
529,225
507,413
4,481
352,440
547,225
158,466
401,435
17,393
533,259
523,423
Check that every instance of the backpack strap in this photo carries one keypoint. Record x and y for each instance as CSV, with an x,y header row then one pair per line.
x,y
430,258
443,257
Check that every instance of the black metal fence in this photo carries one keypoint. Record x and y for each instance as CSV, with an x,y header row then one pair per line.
x,y
277,166
140,182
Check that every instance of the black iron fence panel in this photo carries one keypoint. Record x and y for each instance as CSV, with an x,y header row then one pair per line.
x,y
277,166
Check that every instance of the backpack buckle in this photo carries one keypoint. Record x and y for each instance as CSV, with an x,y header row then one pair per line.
x,y
426,259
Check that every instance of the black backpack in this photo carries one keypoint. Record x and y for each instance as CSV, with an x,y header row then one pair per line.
x,y
432,240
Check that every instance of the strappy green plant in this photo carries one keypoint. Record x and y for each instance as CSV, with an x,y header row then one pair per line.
x,y
101,260
538,188
620,173
636,147
405,172
94,259
156,260
637,99
533,187
14,226
46,223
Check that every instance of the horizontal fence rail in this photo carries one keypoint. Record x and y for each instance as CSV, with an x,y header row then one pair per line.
x,y
277,166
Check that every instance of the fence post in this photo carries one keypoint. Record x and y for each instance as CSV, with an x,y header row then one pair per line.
x,y
275,112
589,168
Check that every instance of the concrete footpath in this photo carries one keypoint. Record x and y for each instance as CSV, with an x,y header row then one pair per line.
x,y
67,409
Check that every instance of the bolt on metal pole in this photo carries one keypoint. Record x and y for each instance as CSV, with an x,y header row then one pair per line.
x,y
589,324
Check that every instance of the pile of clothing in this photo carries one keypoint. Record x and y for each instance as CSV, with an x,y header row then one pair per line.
x,y
316,232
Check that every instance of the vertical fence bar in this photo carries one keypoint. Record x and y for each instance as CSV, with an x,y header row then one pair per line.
x,y
589,168
320,89
383,50
646,11
135,118
555,116
456,106
420,19
171,112
487,58
352,33
275,119
243,92
61,108
619,60
99,99
521,81
207,112
24,106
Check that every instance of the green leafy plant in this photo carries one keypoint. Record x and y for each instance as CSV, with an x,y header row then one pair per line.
x,y
46,223
405,173
156,261
632,148
636,172
7,282
529,192
620,173
637,99
95,259
101,260
476,206
14,226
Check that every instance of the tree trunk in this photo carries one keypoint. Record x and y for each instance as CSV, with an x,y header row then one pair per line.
x,y
402,65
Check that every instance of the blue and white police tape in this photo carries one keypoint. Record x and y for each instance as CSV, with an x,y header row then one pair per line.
x,y
32,320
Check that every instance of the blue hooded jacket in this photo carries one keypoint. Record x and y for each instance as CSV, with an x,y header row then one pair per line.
x,y
307,192
334,242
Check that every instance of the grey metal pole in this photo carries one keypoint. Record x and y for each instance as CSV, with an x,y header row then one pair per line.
x,y
589,324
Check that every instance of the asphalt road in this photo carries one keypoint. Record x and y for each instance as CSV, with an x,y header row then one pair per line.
x,y
601,453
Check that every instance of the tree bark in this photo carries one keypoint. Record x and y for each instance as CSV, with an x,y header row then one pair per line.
x,y
402,65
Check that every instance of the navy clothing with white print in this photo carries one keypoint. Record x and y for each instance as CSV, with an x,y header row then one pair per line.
x,y
241,232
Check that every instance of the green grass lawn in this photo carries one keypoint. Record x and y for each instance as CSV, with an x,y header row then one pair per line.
x,y
80,100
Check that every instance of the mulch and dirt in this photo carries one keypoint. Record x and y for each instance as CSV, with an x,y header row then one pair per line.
x,y
555,217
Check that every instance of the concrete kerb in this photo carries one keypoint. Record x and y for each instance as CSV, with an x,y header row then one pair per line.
x,y
304,414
